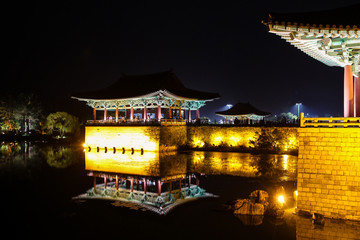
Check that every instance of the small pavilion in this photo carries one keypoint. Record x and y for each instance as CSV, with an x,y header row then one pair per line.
x,y
331,37
244,112
150,97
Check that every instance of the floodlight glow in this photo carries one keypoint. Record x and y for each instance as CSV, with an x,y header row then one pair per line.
x,y
281,199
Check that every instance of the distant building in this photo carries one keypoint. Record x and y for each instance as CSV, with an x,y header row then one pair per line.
x,y
245,113
146,97
331,37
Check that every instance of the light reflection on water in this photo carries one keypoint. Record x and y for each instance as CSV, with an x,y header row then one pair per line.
x,y
154,163
209,163
26,155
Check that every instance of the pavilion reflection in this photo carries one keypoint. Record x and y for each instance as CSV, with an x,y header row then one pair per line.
x,y
149,178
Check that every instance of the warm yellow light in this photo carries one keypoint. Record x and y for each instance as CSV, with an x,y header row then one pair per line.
x,y
285,161
84,145
285,147
122,137
281,199
234,141
295,195
128,163
217,140
198,142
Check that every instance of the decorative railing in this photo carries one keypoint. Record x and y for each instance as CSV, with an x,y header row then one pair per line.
x,y
173,122
329,122
123,122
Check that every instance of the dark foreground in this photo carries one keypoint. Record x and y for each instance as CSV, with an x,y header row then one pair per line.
x,y
36,201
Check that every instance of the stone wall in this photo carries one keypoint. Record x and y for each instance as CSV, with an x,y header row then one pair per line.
x,y
139,137
233,136
329,172
148,138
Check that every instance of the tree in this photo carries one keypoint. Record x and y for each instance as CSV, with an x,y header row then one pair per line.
x,y
28,111
62,123
20,112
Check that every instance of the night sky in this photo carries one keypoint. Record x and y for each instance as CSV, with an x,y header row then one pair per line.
x,y
56,48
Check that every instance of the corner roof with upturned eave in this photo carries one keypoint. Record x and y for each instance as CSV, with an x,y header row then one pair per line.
x,y
142,86
331,36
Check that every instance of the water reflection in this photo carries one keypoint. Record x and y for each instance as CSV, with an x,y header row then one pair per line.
x,y
244,164
333,229
153,167
59,156
17,153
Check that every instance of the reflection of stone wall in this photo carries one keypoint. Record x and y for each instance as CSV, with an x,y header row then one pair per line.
x,y
332,230
329,172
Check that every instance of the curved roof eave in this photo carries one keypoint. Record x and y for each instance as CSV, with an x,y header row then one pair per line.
x,y
164,92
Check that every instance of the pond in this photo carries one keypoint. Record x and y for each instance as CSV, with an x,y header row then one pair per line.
x,y
39,181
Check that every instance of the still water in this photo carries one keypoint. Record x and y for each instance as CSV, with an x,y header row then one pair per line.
x,y
38,182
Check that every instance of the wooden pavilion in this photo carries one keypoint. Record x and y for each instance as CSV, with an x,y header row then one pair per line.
x,y
150,97
244,112
331,37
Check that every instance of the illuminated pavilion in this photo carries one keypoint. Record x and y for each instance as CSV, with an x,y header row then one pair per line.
x,y
331,37
244,112
150,97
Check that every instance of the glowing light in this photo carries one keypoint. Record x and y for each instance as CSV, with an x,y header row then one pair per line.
x,y
295,195
84,145
281,199
123,163
286,162
216,140
198,142
122,137
234,141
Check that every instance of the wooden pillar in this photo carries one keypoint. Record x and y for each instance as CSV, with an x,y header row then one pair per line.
x,y
132,184
159,113
197,114
197,180
357,96
189,181
105,182
94,182
180,184
189,115
348,92
94,113
170,186
145,114
170,112
145,185
117,114
159,187
131,113
117,182
180,113
105,113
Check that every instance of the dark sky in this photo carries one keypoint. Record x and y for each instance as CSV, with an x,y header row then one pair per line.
x,y
56,48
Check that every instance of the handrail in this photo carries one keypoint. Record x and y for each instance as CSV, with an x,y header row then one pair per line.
x,y
329,122
124,122
173,122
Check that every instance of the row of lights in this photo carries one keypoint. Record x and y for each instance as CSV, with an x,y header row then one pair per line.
x,y
113,149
